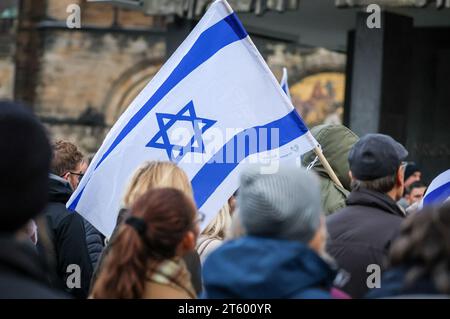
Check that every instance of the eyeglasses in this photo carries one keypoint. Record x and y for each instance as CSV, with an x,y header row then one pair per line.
x,y
200,217
80,175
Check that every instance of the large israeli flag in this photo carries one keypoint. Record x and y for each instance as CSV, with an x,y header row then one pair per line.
x,y
213,107
438,191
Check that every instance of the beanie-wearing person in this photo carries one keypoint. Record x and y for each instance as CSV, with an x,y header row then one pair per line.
x,y
413,174
280,256
23,193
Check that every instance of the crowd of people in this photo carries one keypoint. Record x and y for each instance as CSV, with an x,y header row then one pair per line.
x,y
291,234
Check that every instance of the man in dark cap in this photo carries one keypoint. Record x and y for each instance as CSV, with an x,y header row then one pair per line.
x,y
25,161
361,233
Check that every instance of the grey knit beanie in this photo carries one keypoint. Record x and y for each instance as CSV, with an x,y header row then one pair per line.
x,y
284,205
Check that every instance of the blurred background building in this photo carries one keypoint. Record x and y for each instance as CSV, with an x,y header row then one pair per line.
x,y
394,80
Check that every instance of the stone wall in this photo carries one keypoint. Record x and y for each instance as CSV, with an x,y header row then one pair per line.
x,y
79,69
80,80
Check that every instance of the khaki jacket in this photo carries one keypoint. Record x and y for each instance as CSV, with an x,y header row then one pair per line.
x,y
336,142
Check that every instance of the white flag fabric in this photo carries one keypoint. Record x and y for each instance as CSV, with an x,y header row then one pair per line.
x,y
284,83
214,107
438,191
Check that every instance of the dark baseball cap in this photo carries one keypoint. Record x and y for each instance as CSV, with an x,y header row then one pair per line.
x,y
375,156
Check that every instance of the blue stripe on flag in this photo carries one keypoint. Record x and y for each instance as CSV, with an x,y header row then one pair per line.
x,y
211,175
212,40
438,195
74,203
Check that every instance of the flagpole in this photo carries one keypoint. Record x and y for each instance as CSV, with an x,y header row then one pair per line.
x,y
327,166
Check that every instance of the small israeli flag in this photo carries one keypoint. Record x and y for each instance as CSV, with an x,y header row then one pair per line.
x,y
438,191
214,107
284,83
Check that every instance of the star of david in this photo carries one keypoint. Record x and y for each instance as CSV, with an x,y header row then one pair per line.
x,y
166,121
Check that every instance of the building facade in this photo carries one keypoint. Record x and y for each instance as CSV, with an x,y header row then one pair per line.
x,y
79,81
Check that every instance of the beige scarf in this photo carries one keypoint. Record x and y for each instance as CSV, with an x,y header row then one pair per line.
x,y
174,273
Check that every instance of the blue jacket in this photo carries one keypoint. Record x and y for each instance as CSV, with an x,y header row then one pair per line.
x,y
258,268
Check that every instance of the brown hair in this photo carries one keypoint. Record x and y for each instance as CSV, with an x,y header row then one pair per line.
x,y
382,184
66,157
168,215
424,245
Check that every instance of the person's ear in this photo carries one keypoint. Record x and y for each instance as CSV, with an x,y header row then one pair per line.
x,y
350,175
66,176
400,182
188,243
400,177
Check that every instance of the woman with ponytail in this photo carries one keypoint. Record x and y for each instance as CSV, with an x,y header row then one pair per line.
x,y
150,175
146,255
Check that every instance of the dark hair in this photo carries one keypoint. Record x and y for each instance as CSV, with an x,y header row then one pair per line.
x,y
168,214
66,157
382,184
424,246
410,169
418,184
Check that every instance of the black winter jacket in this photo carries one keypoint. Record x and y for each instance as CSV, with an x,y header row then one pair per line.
x,y
95,242
361,235
23,273
67,232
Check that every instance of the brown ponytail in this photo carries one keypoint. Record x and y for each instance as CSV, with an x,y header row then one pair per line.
x,y
167,215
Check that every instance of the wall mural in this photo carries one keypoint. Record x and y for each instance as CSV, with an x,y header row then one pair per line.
x,y
319,98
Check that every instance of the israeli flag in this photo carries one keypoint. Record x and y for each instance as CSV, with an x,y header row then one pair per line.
x,y
213,108
284,83
438,191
